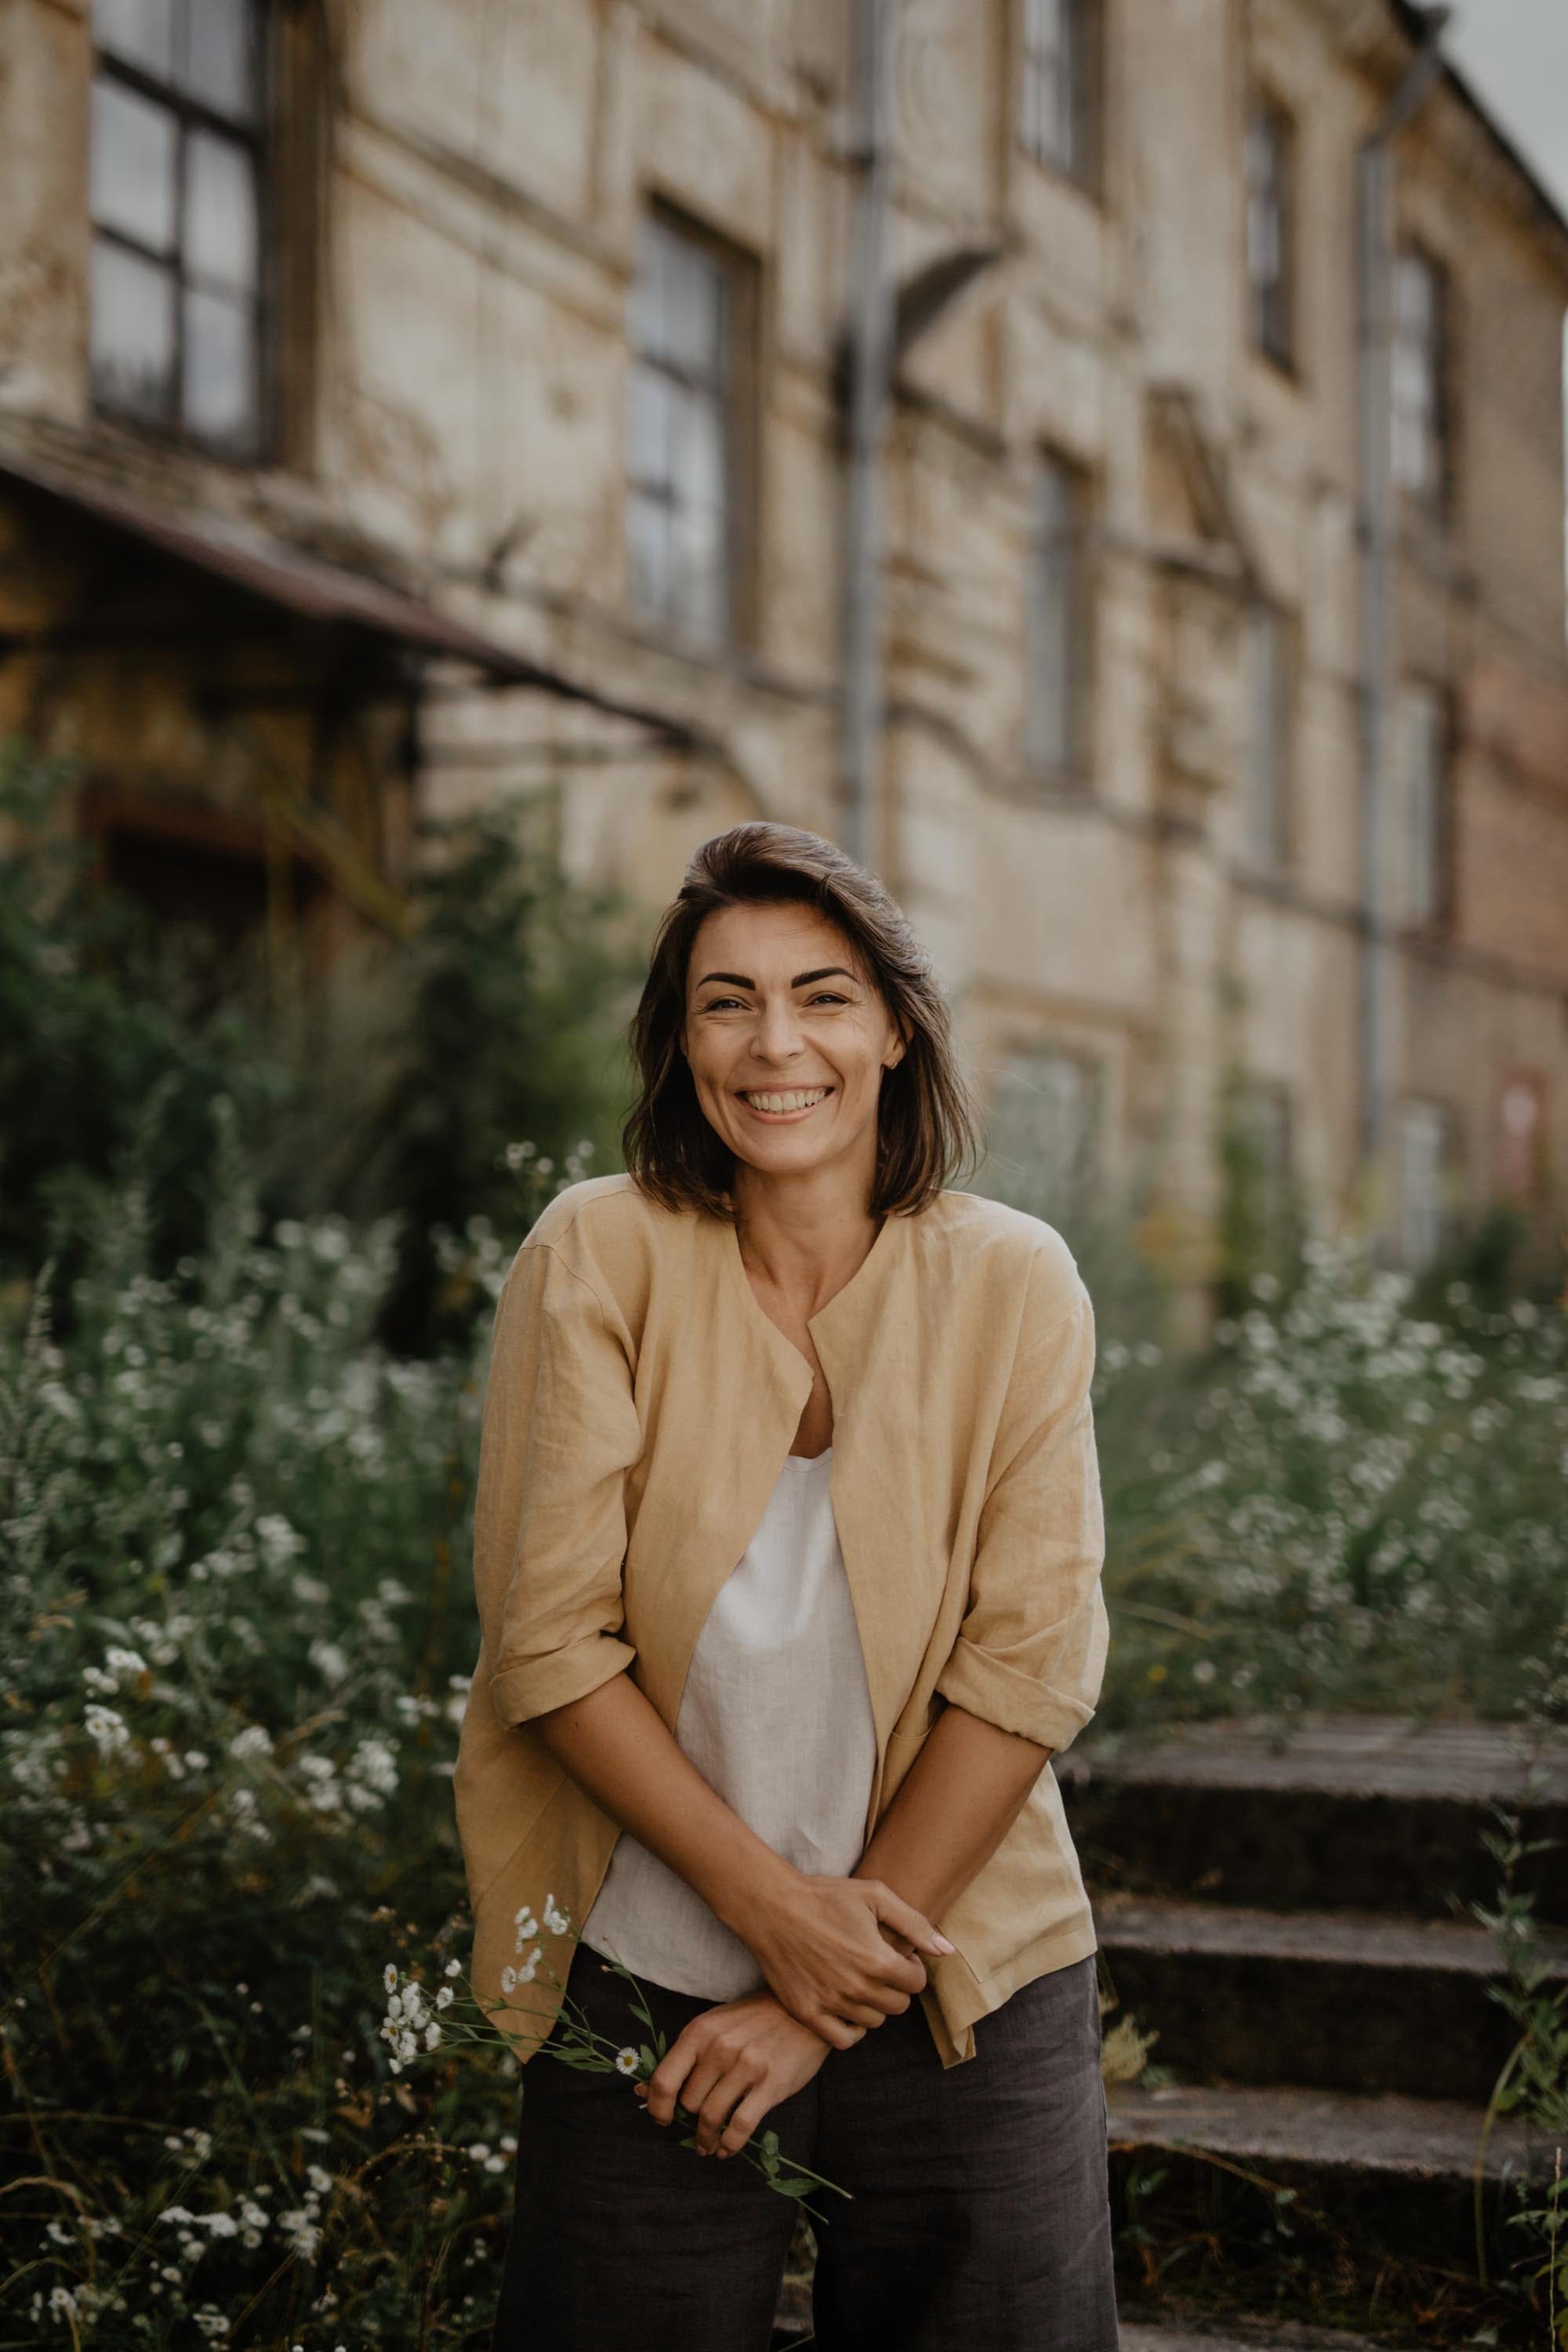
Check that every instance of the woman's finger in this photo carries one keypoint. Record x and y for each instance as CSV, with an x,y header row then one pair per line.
x,y
669,2077
892,1910
758,2102
720,2104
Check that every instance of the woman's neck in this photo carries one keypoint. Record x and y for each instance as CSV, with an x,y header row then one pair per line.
x,y
804,1237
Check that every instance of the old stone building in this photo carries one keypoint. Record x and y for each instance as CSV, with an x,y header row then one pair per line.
x,y
398,400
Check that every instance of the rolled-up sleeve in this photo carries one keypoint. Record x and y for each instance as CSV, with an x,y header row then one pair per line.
x,y
1031,1652
560,1431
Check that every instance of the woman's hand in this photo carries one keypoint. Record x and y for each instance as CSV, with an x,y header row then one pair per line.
x,y
731,2065
842,1954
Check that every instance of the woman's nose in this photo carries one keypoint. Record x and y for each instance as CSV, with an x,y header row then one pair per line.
x,y
778,1032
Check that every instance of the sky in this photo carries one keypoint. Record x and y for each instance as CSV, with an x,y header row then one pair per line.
x,y
1515,55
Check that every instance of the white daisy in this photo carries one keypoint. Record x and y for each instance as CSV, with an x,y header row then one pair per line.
x,y
627,2061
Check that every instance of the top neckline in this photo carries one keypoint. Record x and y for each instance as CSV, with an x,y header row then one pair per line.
x,y
810,1457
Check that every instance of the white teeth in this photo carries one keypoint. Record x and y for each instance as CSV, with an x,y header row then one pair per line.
x,y
800,1099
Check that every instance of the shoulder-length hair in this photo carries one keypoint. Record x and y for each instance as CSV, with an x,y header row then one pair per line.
x,y
927,1126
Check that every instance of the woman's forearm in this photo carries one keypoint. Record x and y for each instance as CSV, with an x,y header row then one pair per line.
x,y
955,1806
824,1944
618,1749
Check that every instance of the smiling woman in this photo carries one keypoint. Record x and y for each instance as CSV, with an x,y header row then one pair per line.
x,y
787,1546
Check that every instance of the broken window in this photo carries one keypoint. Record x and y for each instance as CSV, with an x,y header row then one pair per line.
x,y
175,180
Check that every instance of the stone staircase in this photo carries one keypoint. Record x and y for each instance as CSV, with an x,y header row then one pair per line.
x,y
1285,1907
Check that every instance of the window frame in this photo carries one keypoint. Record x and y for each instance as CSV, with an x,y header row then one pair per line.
x,y
737,396
1434,496
1269,118
191,113
1083,38
1069,760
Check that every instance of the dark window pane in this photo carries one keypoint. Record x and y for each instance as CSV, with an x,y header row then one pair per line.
x,y
141,31
697,452
132,173
647,553
221,226
132,342
1052,683
699,582
218,392
220,54
650,401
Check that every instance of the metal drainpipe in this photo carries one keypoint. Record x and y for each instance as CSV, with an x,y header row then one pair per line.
x,y
871,316
1378,973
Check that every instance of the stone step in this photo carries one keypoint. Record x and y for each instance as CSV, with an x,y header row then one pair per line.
x,y
1326,2001
1393,2174
1331,1812
1242,2335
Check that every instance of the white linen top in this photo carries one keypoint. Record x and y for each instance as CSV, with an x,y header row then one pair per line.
x,y
775,1713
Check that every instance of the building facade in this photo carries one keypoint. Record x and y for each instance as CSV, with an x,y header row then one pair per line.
x,y
402,404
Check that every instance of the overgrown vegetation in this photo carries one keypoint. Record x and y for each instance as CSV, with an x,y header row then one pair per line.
x,y
242,1328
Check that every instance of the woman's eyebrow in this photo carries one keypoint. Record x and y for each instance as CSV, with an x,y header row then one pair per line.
x,y
800,979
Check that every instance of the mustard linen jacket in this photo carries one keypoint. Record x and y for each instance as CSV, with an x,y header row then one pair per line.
x,y
639,1406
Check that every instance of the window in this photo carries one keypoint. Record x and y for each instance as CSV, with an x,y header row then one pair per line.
x,y
1269,141
1043,1133
175,192
1522,1169
1060,85
690,309
1425,797
1268,754
1425,1151
1056,622
1415,376
1262,1209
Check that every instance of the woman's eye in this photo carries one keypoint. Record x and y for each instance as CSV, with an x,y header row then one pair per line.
x,y
719,1004
828,996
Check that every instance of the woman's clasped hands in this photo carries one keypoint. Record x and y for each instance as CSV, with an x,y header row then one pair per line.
x,y
840,1956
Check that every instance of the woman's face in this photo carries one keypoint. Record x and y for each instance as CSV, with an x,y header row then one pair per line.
x,y
787,1038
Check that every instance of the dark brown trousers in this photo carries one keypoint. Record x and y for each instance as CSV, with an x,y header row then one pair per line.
x,y
980,2213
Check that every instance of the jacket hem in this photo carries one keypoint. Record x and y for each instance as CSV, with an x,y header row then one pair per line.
x,y
952,2020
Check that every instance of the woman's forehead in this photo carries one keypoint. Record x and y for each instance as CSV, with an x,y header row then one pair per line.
x,y
767,937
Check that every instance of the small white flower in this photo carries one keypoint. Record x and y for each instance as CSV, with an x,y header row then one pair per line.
x,y
627,2061
432,2034
443,1997
555,1919
527,1925
508,1979
453,1968
389,1977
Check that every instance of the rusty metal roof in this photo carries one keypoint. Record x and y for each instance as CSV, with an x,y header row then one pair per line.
x,y
296,582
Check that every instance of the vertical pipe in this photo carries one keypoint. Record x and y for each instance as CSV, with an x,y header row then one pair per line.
x,y
871,311
1378,970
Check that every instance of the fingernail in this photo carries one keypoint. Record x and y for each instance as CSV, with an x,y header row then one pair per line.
x,y
942,1945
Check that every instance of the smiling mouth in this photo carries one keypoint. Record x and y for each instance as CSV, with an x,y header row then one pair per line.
x,y
776,1102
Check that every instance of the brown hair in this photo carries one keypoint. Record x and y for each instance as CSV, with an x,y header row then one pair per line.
x,y
926,1122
